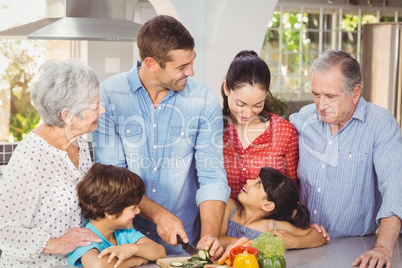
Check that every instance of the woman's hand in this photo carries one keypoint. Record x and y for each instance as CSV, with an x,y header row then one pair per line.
x,y
121,252
74,238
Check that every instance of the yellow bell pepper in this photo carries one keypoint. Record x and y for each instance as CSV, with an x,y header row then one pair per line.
x,y
245,260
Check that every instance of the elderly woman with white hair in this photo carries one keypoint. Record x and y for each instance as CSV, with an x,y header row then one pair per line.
x,y
40,220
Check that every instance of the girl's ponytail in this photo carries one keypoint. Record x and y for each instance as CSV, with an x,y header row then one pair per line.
x,y
302,218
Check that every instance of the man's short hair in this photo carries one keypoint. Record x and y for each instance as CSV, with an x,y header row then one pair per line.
x,y
349,67
160,35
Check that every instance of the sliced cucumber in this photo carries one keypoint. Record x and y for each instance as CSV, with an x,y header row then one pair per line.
x,y
204,254
195,259
194,264
198,265
176,264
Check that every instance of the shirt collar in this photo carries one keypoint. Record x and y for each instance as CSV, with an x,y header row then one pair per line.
x,y
133,78
360,111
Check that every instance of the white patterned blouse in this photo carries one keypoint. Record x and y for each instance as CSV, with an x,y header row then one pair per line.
x,y
39,201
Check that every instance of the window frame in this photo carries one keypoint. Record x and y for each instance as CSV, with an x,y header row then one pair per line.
x,y
337,38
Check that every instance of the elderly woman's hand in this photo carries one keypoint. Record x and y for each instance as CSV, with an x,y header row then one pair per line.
x,y
75,237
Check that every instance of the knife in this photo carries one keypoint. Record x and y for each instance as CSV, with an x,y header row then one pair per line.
x,y
189,248
186,246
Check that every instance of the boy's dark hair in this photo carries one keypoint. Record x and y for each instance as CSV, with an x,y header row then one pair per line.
x,y
160,35
282,191
247,68
108,189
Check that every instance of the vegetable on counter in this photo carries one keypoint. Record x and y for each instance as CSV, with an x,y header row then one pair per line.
x,y
176,264
241,249
193,262
274,261
203,254
268,244
245,260
270,251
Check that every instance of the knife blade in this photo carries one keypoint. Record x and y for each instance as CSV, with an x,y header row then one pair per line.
x,y
189,248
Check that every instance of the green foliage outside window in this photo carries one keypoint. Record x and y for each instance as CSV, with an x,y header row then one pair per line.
x,y
291,45
20,60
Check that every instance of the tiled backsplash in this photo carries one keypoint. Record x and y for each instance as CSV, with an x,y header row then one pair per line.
x,y
7,148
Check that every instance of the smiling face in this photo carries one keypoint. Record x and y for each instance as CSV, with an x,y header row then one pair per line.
x,y
174,75
125,220
91,115
334,105
253,194
245,103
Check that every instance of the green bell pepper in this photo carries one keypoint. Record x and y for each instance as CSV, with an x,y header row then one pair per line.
x,y
274,261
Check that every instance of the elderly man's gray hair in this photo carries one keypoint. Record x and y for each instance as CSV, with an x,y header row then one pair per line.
x,y
350,68
69,85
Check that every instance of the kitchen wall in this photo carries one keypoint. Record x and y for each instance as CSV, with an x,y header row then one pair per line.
x,y
220,29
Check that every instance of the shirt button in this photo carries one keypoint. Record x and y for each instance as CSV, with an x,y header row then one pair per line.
x,y
330,142
155,169
153,190
319,190
159,108
182,133
128,131
323,165
244,169
154,125
315,211
148,233
155,146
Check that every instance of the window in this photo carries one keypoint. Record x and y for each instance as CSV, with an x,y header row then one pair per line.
x,y
20,60
296,36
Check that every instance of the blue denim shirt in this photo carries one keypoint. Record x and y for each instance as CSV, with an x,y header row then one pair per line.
x,y
176,148
352,179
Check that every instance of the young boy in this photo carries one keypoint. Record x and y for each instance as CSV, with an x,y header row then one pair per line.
x,y
109,198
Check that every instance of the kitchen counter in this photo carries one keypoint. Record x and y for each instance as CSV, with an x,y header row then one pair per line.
x,y
338,253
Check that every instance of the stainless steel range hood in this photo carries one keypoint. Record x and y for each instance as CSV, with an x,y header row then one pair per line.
x,y
94,20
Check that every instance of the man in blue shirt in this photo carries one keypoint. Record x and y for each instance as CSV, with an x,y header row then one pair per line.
x,y
350,159
167,127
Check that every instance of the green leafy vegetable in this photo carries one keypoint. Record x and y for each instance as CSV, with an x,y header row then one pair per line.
x,y
268,244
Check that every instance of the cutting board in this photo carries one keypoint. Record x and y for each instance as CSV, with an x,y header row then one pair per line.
x,y
165,262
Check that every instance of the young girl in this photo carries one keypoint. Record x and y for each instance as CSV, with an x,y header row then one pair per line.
x,y
270,203
109,197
